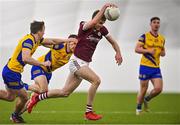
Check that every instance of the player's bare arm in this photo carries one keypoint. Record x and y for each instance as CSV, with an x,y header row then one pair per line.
x,y
141,50
55,41
114,44
48,46
26,57
97,18
163,52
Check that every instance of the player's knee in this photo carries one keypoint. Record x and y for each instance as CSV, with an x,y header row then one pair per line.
x,y
158,90
11,98
97,81
65,93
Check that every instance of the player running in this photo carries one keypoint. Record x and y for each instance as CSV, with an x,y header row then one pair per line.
x,y
89,35
23,55
58,55
151,46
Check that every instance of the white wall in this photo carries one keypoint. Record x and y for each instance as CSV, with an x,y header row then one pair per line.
x,y
62,17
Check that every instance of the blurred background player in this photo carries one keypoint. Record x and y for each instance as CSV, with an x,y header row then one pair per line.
x,y
89,34
12,71
151,46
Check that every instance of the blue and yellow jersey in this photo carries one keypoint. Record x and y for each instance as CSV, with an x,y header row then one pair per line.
x,y
58,56
150,41
16,63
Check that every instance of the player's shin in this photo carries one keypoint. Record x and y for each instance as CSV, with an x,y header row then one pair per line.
x,y
25,108
20,105
90,115
140,98
91,94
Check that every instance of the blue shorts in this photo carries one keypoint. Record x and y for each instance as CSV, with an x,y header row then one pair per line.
x,y
147,73
37,71
12,79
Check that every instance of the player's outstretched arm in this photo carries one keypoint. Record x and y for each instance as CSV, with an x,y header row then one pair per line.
x,y
26,58
115,45
55,41
97,18
141,50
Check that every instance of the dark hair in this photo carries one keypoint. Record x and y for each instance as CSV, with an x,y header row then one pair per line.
x,y
96,12
72,36
36,26
155,18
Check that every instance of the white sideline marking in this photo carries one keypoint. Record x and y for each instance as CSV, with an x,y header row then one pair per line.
x,y
105,112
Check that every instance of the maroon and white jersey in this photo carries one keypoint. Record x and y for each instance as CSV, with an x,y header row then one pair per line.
x,y
87,42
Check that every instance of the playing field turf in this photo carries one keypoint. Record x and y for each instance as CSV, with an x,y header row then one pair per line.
x,y
117,108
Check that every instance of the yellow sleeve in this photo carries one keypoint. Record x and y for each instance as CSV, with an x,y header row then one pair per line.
x,y
26,49
142,39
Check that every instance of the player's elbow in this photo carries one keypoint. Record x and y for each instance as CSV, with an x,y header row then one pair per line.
x,y
93,22
54,42
25,59
137,50
163,54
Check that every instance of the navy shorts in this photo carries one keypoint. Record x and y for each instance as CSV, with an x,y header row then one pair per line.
x,y
147,73
37,71
12,79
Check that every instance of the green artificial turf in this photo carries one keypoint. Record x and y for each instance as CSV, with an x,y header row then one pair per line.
x,y
116,108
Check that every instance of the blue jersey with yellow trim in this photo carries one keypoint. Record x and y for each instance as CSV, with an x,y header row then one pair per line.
x,y
150,41
16,63
58,56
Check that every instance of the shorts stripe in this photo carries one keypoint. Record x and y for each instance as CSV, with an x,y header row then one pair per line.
x,y
76,64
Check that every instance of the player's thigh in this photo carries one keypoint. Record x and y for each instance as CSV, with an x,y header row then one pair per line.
x,y
42,82
157,83
72,83
88,74
144,84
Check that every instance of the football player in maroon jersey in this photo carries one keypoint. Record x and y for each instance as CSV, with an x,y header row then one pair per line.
x,y
89,35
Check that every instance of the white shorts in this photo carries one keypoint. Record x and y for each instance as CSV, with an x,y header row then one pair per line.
x,y
76,63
